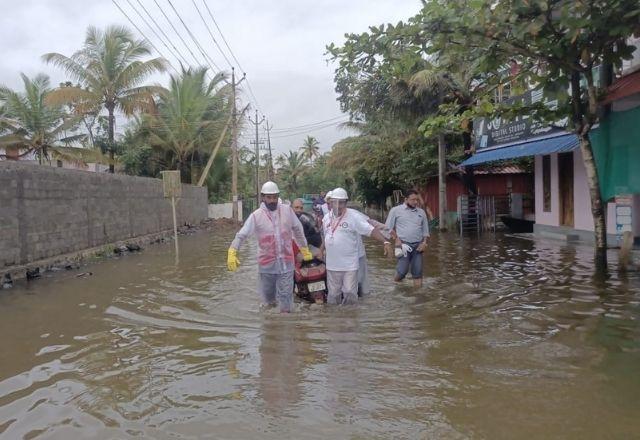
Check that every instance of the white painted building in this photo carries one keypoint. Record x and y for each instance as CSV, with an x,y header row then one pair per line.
x,y
562,199
32,158
561,190
563,203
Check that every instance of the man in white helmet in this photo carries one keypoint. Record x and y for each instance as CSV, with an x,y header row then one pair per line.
x,y
342,230
275,226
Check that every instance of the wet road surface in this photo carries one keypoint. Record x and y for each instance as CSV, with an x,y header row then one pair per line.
x,y
508,338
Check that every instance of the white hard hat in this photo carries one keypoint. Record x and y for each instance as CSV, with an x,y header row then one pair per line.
x,y
269,188
339,194
328,196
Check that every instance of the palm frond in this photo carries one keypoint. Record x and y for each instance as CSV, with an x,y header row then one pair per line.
x,y
73,95
70,66
138,71
12,140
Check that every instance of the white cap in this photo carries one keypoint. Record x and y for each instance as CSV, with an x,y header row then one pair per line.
x,y
269,188
328,195
339,194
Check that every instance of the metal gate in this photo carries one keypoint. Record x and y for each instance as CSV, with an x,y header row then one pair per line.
x,y
476,214
248,206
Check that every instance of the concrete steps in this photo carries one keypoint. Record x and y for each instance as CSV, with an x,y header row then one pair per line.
x,y
562,236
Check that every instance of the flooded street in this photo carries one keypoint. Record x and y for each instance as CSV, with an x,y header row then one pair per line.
x,y
508,338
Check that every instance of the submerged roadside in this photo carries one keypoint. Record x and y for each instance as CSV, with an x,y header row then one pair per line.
x,y
85,257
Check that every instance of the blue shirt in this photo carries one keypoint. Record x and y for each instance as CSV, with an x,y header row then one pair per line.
x,y
411,224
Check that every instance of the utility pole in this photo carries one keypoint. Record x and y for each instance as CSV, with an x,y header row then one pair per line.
x,y
442,183
270,165
442,177
234,146
257,124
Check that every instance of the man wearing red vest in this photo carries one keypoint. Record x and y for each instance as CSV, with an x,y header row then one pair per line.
x,y
274,225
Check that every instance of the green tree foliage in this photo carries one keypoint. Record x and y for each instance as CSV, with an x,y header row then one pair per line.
x,y
441,68
180,133
558,45
389,87
296,176
292,167
29,124
110,71
323,176
188,120
310,148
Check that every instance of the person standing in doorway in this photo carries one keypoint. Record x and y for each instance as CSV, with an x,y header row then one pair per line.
x,y
411,226
342,227
275,226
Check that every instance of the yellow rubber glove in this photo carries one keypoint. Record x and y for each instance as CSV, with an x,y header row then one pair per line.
x,y
306,254
232,259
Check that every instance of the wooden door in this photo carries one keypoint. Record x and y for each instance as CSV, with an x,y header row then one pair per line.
x,y
565,180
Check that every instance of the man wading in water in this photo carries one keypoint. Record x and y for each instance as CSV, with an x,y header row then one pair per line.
x,y
411,226
274,225
342,228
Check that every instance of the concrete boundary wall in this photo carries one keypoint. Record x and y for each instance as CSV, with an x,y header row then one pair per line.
x,y
224,210
48,211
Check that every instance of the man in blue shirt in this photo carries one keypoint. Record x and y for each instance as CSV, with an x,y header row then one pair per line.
x,y
411,225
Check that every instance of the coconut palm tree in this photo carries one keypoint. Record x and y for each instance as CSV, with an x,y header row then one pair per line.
x,y
293,167
189,116
280,161
31,125
109,70
310,148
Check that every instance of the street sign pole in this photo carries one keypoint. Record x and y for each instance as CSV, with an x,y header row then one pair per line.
x,y
175,224
172,188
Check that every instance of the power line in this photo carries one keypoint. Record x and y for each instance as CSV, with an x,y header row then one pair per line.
x,y
176,31
143,35
211,34
310,125
207,125
255,100
301,133
337,119
208,59
222,35
182,57
176,53
152,29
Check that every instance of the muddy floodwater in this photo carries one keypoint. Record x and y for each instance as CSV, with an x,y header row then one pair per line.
x,y
508,339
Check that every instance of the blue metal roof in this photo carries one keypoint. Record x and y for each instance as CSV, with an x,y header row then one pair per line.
x,y
558,144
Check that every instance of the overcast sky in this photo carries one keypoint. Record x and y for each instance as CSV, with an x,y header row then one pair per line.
x,y
280,44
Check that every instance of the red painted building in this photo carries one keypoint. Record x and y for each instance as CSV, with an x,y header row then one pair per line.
x,y
499,181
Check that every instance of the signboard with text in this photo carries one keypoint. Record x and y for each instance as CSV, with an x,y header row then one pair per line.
x,y
171,185
495,132
624,215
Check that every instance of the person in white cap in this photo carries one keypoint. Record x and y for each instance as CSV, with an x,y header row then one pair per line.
x,y
325,206
342,230
275,226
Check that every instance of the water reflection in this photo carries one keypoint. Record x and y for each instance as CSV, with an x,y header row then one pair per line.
x,y
285,353
508,338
